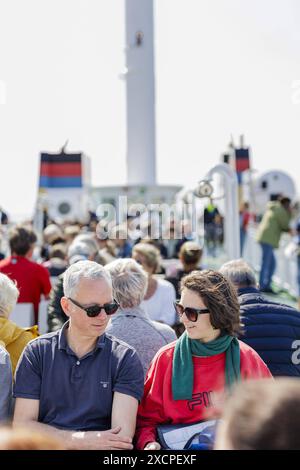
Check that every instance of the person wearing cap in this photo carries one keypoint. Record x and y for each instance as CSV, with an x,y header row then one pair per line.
x,y
80,384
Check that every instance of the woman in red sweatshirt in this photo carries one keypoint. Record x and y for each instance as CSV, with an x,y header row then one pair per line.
x,y
187,379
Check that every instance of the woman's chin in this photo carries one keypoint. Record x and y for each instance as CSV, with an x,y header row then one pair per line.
x,y
192,332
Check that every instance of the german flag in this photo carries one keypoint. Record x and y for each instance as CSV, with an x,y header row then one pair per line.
x,y
61,170
242,160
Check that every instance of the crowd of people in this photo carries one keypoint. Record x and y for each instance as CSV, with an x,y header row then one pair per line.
x,y
137,347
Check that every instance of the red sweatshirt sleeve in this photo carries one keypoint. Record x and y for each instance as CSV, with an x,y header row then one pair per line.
x,y
252,365
151,410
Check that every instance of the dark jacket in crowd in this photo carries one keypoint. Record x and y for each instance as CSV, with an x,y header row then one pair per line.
x,y
272,329
56,315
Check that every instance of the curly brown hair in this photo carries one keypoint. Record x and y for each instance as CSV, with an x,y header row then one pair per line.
x,y
219,296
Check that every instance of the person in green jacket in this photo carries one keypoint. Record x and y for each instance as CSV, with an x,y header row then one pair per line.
x,y
274,222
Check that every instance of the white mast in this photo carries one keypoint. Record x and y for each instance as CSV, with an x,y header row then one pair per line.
x,y
140,93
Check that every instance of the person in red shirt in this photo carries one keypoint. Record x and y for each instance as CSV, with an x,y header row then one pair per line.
x,y
32,279
187,379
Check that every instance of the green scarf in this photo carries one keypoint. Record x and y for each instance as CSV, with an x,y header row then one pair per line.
x,y
183,371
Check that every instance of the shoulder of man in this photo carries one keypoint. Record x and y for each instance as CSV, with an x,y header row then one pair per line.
x,y
43,341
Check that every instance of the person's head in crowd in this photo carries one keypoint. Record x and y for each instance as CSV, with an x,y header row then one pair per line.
x,y
58,251
102,233
210,291
53,234
71,232
157,243
22,240
285,202
79,251
119,235
129,282
148,256
244,207
12,336
87,286
9,294
190,254
239,273
104,241
261,415
89,240
27,439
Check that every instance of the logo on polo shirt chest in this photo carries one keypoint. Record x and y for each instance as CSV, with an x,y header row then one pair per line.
x,y
104,384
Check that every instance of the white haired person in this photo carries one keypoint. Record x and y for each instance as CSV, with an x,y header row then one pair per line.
x,y
83,248
160,295
12,337
131,323
78,383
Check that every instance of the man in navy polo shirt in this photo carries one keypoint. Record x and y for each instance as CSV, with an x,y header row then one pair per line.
x,y
79,383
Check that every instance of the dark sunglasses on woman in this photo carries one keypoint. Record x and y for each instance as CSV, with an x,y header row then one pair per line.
x,y
95,310
190,313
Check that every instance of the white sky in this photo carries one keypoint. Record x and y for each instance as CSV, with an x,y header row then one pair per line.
x,y
222,67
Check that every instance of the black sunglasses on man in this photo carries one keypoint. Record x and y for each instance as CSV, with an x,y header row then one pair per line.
x,y
95,310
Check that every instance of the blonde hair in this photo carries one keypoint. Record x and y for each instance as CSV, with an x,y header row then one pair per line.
x,y
190,253
129,282
150,253
9,294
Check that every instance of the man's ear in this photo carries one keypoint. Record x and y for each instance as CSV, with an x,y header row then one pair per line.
x,y
65,305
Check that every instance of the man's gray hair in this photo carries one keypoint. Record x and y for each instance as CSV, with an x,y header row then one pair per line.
x,y
129,282
83,269
239,273
9,294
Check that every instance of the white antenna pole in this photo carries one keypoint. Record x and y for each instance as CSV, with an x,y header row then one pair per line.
x,y
140,93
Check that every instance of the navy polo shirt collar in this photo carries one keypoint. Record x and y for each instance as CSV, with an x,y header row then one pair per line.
x,y
248,290
63,344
